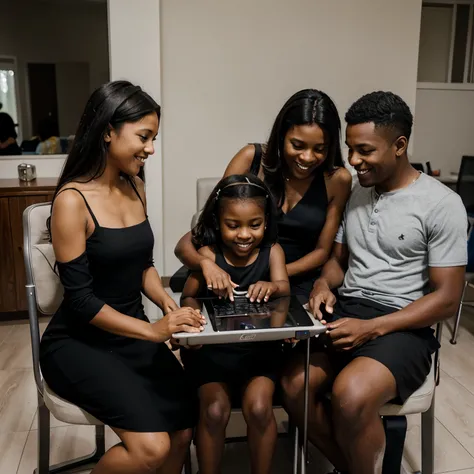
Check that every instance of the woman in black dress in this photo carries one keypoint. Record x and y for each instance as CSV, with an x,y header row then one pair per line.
x,y
100,351
302,165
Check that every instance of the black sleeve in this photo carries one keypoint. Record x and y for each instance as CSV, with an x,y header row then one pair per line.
x,y
151,261
79,298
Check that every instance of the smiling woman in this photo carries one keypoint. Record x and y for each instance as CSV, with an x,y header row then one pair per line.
x,y
302,165
100,350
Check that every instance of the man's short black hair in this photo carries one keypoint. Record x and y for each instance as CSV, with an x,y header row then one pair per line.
x,y
385,110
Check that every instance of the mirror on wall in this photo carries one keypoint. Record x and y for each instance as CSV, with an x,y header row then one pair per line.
x,y
50,61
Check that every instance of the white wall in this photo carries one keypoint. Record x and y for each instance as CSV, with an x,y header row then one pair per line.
x,y
35,31
136,56
443,131
222,71
228,67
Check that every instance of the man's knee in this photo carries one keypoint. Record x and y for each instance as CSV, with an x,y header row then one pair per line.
x,y
151,451
352,402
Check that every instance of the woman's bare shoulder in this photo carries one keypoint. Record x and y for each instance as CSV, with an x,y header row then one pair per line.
x,y
242,161
339,176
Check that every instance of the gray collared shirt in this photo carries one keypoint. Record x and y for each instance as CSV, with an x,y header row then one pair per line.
x,y
393,239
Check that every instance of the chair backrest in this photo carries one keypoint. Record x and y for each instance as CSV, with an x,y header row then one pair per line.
x,y
429,169
418,166
43,287
465,184
204,187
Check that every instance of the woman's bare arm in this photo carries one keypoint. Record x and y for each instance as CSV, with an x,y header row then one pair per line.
x,y
68,230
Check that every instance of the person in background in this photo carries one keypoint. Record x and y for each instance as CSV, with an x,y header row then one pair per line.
x,y
8,136
49,143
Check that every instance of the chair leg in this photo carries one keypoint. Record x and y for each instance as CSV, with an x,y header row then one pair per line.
x,y
83,463
427,440
43,437
188,467
458,318
296,450
99,440
395,432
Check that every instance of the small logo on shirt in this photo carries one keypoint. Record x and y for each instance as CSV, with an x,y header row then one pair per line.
x,y
401,237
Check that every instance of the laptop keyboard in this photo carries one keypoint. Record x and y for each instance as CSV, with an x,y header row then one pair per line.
x,y
240,306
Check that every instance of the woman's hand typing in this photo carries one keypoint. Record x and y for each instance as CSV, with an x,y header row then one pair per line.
x,y
180,320
217,280
169,305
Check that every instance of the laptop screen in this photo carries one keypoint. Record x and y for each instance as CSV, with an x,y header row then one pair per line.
x,y
241,314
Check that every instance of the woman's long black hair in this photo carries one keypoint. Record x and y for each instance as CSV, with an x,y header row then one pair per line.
x,y
236,186
306,107
109,107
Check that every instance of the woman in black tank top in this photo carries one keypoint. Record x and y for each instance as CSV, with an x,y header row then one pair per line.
x,y
302,165
100,351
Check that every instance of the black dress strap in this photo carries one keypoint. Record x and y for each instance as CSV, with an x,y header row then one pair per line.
x,y
96,223
134,186
257,159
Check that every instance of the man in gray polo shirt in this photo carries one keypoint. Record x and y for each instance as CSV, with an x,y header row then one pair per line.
x,y
398,264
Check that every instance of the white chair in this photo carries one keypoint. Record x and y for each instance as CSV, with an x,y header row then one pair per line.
x,y
394,419
469,282
44,293
422,401
204,187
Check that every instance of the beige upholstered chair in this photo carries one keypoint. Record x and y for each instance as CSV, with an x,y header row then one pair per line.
x,y
204,187
44,293
469,283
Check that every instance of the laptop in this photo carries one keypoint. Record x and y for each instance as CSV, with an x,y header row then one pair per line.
x,y
244,321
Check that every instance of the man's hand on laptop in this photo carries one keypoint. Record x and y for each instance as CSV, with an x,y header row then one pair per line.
x,y
347,333
321,294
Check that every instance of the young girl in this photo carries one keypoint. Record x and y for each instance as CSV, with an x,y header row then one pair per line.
x,y
237,231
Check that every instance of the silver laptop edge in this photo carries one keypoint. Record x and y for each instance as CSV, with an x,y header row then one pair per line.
x,y
209,336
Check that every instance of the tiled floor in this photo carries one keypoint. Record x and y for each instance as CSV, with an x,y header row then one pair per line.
x,y
18,429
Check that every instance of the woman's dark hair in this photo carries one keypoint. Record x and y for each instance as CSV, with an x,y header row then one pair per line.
x,y
7,127
306,107
109,106
236,186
